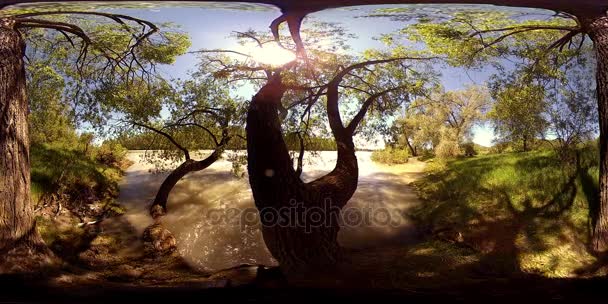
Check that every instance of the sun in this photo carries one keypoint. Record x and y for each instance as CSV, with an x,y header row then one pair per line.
x,y
271,54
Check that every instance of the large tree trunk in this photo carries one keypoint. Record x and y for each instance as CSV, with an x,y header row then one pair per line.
x,y
598,31
299,220
21,247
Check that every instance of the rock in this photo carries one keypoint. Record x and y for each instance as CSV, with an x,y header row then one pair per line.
x,y
157,211
158,240
129,271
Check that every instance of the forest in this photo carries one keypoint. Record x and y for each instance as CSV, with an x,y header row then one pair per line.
x,y
342,149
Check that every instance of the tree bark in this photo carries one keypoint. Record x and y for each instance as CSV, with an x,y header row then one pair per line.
x,y
598,31
411,147
21,247
159,205
299,220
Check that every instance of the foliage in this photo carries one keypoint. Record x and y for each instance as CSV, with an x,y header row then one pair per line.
x,y
110,153
148,140
303,107
518,114
174,118
49,118
82,68
572,110
449,146
238,161
390,156
442,121
537,62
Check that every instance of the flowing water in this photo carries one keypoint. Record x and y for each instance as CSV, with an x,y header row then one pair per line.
x,y
213,217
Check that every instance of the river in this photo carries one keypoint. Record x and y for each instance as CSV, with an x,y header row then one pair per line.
x,y
201,202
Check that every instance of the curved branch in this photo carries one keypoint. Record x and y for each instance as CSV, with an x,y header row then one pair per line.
x,y
524,28
354,123
119,60
274,28
252,37
59,26
166,135
215,141
567,38
333,113
294,22
118,18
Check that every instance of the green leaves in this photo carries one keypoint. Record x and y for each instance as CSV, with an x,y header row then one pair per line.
x,y
166,50
518,113
114,73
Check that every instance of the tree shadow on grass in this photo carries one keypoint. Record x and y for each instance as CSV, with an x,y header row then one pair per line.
x,y
507,223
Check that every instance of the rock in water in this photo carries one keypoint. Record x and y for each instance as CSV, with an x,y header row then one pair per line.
x,y
158,240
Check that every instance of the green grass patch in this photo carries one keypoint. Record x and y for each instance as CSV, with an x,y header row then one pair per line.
x,y
81,180
57,168
525,209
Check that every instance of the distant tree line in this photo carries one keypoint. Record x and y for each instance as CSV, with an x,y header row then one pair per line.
x,y
148,140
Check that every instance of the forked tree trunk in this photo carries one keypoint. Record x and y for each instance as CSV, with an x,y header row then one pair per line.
x,y
299,220
21,247
598,31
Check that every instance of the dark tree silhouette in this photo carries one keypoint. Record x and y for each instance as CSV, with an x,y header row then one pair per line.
x,y
309,243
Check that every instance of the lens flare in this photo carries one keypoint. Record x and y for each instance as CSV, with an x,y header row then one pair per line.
x,y
272,54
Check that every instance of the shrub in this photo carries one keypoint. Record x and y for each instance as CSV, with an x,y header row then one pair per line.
x,y
468,149
110,154
448,149
238,164
390,156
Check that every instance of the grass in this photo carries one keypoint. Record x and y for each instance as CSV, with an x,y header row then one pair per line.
x,y
55,167
80,181
525,211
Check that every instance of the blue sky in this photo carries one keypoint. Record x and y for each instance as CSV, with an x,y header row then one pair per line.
x,y
209,28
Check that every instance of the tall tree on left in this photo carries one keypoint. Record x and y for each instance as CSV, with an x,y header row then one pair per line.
x,y
21,247
18,235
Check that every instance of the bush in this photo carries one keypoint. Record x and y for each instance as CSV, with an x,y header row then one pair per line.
x,y
468,149
390,156
448,149
238,164
110,154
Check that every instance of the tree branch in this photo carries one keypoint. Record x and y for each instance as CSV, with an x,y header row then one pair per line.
x,y
299,167
166,135
524,28
354,123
